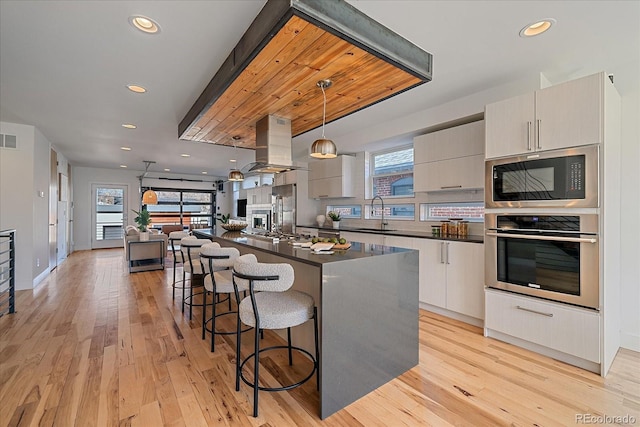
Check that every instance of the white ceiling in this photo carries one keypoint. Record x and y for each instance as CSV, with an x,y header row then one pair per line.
x,y
64,66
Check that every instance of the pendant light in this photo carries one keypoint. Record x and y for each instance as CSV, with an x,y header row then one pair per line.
x,y
149,197
324,148
235,175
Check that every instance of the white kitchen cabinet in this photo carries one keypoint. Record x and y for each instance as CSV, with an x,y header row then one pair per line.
x,y
465,278
561,116
283,178
433,272
399,241
464,173
259,195
561,327
454,273
331,178
450,159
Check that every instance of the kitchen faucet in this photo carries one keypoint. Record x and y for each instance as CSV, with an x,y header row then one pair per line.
x,y
382,223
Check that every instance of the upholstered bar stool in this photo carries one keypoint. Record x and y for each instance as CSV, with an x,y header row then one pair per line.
x,y
174,242
271,304
190,248
218,280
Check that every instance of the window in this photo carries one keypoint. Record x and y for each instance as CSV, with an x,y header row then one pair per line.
x,y
392,173
405,211
469,211
347,211
187,207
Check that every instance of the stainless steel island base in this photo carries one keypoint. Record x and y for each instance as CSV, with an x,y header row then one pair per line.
x,y
367,299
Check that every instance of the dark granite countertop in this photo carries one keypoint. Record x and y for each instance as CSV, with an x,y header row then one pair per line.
x,y
400,233
287,250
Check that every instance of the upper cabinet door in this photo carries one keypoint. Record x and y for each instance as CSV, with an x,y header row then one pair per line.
x,y
570,114
565,115
331,178
449,159
509,126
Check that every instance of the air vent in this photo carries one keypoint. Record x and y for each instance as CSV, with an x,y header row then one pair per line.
x,y
8,141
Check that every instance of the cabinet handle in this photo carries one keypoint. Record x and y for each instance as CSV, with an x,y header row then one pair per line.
x,y
538,133
534,311
450,186
529,135
447,252
441,252
548,238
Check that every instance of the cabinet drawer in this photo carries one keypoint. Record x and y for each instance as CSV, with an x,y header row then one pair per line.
x,y
561,327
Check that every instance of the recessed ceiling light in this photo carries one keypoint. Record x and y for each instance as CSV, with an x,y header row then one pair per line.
x,y
233,160
144,24
185,155
129,126
125,148
204,172
167,170
537,28
136,88
123,166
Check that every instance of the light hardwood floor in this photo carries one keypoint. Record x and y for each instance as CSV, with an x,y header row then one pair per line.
x,y
94,345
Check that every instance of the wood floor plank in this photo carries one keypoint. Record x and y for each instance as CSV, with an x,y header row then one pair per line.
x,y
108,414
95,345
130,391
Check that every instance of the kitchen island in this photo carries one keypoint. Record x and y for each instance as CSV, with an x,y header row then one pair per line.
x,y
367,299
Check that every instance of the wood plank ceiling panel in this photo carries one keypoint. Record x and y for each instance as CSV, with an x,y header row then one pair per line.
x,y
281,80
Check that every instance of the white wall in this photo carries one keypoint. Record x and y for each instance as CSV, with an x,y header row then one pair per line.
x,y
23,172
83,177
17,197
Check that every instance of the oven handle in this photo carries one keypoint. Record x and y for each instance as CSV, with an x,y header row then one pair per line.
x,y
551,238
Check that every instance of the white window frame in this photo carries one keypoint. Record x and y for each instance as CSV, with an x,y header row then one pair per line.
x,y
372,176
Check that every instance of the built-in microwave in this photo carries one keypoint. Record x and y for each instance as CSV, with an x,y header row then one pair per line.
x,y
565,178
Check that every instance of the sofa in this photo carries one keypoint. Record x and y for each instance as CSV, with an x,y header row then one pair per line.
x,y
144,256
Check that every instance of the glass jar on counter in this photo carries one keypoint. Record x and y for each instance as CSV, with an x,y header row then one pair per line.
x,y
463,229
454,226
435,230
444,228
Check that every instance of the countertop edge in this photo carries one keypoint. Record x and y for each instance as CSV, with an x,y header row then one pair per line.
x,y
400,233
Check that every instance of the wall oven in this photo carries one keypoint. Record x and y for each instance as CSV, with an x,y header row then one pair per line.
x,y
261,220
555,257
559,178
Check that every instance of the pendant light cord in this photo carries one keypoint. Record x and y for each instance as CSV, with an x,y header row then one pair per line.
x,y
324,108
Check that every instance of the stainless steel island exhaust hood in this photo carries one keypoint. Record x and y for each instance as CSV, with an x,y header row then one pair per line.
x,y
273,146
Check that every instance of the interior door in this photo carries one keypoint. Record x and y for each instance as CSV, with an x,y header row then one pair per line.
x,y
109,216
62,231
